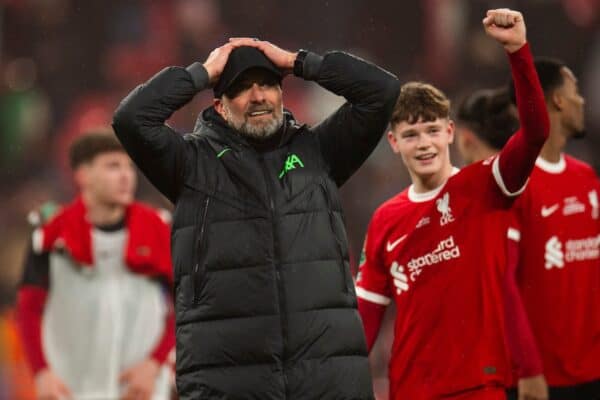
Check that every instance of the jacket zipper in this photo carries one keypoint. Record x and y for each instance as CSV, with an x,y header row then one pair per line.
x,y
201,249
282,312
337,240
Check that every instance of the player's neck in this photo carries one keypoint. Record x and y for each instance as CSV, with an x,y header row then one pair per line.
x,y
102,214
427,183
483,153
554,146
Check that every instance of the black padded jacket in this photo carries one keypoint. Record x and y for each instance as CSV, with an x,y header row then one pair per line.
x,y
265,304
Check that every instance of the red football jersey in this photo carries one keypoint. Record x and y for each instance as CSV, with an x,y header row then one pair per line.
x,y
441,256
559,268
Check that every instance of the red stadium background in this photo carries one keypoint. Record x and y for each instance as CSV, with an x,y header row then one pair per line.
x,y
64,65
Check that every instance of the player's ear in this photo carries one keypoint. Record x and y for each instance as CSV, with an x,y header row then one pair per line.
x,y
450,128
556,100
466,142
463,139
393,141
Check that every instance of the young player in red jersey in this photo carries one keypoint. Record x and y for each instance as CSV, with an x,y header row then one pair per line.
x,y
559,249
486,120
434,248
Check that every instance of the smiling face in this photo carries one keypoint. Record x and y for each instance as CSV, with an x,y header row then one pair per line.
x,y
424,148
253,105
421,131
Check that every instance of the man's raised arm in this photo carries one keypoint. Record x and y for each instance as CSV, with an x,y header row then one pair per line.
x,y
139,121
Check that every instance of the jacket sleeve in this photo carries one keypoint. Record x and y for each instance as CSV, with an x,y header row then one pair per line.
x,y
349,135
139,123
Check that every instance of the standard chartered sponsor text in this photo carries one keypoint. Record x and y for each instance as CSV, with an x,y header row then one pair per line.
x,y
582,249
445,250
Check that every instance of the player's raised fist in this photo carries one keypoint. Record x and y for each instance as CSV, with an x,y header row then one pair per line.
x,y
507,27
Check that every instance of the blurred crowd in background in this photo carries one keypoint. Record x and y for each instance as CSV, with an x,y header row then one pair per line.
x,y
65,64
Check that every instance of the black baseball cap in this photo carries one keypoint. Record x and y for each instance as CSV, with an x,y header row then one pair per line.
x,y
240,60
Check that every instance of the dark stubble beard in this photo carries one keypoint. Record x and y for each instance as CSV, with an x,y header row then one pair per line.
x,y
260,131
580,134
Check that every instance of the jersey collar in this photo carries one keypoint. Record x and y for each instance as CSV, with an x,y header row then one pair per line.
x,y
430,195
550,167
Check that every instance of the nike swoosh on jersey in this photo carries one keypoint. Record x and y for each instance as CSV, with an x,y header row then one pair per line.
x,y
391,245
547,211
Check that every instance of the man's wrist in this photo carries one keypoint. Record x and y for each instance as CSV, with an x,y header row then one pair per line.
x,y
200,75
307,64
298,66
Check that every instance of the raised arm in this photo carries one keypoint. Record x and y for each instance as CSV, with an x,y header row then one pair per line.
x,y
139,121
517,159
350,134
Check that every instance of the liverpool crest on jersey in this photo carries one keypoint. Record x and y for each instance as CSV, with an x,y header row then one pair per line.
x,y
443,206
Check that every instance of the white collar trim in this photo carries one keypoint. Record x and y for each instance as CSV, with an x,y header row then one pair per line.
x,y
550,167
430,195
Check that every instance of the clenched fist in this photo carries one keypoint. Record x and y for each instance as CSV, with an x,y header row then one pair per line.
x,y
507,27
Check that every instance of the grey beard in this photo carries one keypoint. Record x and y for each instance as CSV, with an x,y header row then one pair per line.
x,y
260,132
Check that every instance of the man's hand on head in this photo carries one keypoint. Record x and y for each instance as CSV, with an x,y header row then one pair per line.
x,y
507,27
216,61
282,59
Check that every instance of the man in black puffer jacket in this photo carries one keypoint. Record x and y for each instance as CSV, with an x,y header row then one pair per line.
x,y
265,302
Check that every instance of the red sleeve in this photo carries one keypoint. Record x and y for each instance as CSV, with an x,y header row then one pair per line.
x,y
373,279
31,300
519,337
167,341
30,308
372,283
371,315
517,159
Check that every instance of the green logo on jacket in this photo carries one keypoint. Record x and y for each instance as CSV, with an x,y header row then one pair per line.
x,y
291,163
